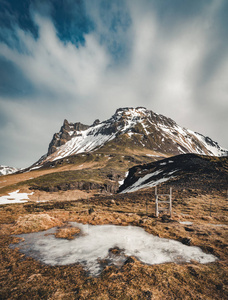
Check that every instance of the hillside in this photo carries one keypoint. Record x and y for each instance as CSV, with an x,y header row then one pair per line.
x,y
182,171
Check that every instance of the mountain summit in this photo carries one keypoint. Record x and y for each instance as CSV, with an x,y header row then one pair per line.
x,y
130,128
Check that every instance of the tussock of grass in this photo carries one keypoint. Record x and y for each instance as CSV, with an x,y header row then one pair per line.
x,y
34,223
67,233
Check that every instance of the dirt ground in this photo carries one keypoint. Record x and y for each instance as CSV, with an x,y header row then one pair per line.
x,y
25,278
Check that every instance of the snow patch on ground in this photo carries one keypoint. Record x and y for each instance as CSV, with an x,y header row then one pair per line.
x,y
122,181
15,197
186,223
94,244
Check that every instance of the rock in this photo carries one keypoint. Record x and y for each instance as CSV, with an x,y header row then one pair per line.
x,y
189,229
166,219
129,260
91,210
96,122
80,127
66,125
63,135
186,241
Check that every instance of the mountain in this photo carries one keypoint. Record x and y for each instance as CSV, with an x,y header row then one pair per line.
x,y
129,129
4,170
182,172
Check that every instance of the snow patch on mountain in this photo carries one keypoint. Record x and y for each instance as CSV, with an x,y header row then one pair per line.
x,y
4,170
148,181
212,146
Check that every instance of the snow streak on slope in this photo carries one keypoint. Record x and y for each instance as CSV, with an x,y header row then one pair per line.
x,y
190,141
148,181
212,146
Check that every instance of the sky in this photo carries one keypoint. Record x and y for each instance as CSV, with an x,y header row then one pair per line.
x,y
80,60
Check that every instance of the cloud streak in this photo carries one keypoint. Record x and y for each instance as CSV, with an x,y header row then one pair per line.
x,y
135,54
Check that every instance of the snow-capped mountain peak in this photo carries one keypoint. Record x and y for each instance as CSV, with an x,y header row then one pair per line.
x,y
135,127
4,170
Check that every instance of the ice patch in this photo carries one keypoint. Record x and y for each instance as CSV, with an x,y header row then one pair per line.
x,y
15,197
217,225
94,244
186,223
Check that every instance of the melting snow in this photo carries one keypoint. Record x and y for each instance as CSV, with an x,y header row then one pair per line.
x,y
140,183
15,197
34,168
121,182
186,223
94,244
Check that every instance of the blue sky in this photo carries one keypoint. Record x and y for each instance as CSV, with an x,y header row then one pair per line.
x,y
81,60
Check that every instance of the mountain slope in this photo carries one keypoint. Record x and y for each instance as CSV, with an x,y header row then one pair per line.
x,y
129,128
182,171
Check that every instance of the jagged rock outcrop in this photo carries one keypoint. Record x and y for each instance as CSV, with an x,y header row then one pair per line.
x,y
79,185
66,133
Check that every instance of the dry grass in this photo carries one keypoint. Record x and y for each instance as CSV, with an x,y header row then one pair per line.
x,y
25,278
67,232
14,179
35,223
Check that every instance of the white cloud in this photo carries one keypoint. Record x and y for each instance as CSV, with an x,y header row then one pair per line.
x,y
162,71
59,68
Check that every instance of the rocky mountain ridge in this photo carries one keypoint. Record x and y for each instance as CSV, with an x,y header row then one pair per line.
x,y
133,128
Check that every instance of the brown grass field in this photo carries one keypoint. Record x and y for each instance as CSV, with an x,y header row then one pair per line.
x,y
22,277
